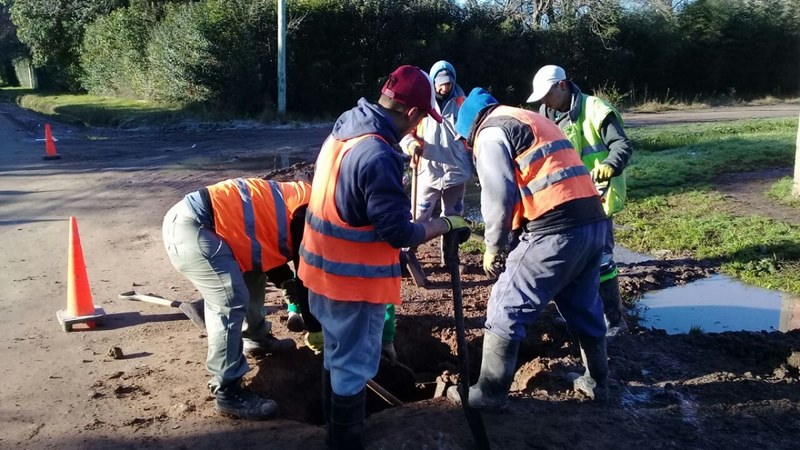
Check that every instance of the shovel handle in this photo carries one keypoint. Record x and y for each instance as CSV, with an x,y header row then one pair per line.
x,y
135,296
414,178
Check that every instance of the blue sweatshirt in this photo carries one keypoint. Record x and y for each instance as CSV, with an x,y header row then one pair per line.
x,y
370,186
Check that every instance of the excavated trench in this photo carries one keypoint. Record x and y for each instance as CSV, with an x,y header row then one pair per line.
x,y
426,348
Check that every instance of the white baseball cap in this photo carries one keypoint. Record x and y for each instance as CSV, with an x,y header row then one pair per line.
x,y
544,79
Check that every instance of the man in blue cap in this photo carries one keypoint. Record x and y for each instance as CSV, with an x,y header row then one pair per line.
x,y
534,183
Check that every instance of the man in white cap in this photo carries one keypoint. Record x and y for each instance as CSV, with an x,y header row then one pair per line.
x,y
444,164
595,129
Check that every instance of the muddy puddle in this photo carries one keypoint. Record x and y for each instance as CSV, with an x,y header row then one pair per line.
x,y
719,304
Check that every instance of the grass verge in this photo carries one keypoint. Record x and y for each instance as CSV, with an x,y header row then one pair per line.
x,y
758,250
672,158
92,110
674,210
781,192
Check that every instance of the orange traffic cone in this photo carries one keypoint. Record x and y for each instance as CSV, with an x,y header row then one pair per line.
x,y
80,308
49,144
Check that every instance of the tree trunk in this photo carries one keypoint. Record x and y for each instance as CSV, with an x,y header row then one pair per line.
x,y
796,185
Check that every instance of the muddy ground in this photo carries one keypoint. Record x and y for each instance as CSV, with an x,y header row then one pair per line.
x,y
64,390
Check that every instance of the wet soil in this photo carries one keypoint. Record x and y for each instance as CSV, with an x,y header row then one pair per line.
x,y
64,391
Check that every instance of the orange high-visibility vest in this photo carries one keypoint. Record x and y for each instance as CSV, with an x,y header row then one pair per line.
x,y
549,172
340,261
253,217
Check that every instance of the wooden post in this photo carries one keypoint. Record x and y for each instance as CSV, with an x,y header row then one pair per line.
x,y
796,185
281,57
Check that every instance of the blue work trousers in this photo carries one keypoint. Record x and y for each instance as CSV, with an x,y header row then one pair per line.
x,y
353,337
564,267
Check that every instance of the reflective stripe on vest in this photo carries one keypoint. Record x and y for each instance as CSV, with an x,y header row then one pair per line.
x,y
252,216
340,261
549,172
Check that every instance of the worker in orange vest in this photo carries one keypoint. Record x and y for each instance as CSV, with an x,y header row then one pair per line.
x,y
534,184
228,239
358,220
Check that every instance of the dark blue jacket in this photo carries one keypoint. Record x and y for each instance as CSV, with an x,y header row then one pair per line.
x,y
370,187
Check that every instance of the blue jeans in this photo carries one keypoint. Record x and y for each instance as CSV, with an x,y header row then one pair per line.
x,y
352,332
564,267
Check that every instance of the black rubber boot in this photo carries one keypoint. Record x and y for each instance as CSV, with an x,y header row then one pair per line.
x,y
346,427
327,392
594,382
498,365
234,400
268,344
612,307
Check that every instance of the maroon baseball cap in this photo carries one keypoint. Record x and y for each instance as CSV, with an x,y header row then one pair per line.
x,y
411,86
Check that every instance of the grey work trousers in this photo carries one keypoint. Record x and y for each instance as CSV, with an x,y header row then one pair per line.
x,y
452,199
234,301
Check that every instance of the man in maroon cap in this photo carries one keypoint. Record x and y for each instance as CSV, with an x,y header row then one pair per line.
x,y
357,220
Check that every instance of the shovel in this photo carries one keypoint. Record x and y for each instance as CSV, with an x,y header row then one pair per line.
x,y
192,310
474,419
412,264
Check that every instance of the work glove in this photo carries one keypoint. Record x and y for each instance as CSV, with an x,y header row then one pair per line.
x,y
493,264
601,172
388,352
315,341
414,150
456,223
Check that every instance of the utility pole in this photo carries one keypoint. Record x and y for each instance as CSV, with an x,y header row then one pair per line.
x,y
281,57
796,184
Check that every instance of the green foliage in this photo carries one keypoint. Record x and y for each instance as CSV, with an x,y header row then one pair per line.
x,y
696,330
733,46
10,47
113,55
53,31
174,57
222,53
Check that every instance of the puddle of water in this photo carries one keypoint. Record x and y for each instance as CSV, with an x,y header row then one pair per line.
x,y
720,304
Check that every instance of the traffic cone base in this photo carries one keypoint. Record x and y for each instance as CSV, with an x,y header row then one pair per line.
x,y
91,320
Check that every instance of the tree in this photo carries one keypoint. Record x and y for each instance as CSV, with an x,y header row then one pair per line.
x,y
53,31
